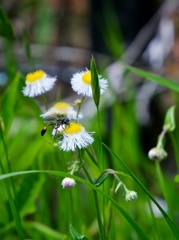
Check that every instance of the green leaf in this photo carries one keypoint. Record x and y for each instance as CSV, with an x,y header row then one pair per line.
x,y
155,78
176,179
5,26
95,82
169,122
103,176
75,235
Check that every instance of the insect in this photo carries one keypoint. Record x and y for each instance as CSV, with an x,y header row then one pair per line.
x,y
57,122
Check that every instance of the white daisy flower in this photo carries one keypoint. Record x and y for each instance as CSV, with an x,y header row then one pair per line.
x,y
75,136
61,109
81,83
68,183
37,83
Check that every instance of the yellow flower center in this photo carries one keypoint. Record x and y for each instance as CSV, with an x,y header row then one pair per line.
x,y
73,128
35,76
87,77
62,106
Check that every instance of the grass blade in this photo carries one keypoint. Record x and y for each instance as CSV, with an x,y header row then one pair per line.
x,y
155,78
137,228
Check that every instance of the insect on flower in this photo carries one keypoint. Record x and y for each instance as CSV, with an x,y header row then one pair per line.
x,y
56,122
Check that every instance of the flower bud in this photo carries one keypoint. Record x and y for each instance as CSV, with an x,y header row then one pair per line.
x,y
157,154
130,195
68,183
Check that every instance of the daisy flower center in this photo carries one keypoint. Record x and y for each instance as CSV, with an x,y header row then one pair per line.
x,y
35,76
62,106
86,77
73,128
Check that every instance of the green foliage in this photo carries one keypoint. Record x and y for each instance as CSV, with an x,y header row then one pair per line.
x,y
169,122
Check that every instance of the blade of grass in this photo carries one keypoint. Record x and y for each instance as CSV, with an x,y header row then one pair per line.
x,y
155,78
137,228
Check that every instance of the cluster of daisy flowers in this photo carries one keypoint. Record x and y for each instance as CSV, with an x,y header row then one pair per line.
x,y
64,119
62,116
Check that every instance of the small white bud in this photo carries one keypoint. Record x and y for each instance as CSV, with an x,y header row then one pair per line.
x,y
130,195
68,183
157,154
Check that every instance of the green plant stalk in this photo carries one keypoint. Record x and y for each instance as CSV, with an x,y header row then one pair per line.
x,y
163,186
11,191
161,137
102,235
175,147
79,106
44,99
102,166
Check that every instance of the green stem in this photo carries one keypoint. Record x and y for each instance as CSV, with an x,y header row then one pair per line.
x,y
11,190
79,106
175,147
99,129
161,137
45,101
101,232
163,186
102,166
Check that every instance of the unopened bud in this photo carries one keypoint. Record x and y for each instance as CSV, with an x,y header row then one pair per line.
x,y
157,154
130,195
68,183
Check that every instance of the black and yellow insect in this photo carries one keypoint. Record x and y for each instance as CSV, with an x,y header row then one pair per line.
x,y
56,122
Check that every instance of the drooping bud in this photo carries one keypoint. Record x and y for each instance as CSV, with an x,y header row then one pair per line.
x,y
157,154
130,195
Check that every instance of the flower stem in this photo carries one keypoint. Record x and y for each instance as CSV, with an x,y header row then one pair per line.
x,y
102,165
79,106
44,99
101,232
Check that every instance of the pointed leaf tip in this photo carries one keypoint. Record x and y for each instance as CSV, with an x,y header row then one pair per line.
x,y
95,82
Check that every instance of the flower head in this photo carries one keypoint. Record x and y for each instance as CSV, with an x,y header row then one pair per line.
x,y
81,83
130,195
75,136
68,183
61,109
37,83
